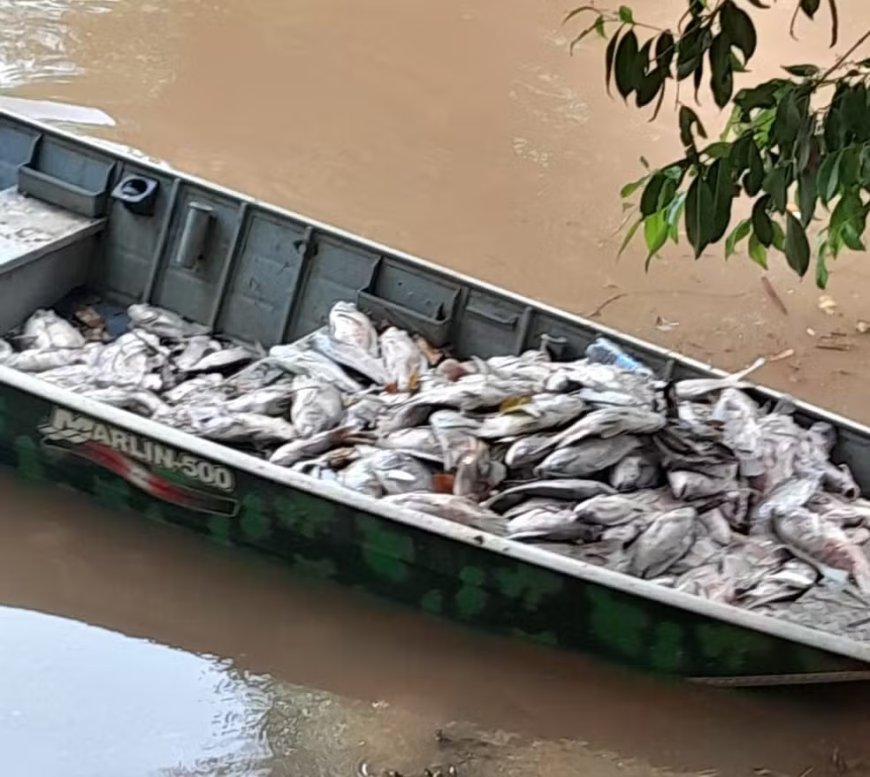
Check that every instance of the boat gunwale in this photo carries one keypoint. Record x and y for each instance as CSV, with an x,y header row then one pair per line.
x,y
550,560
431,524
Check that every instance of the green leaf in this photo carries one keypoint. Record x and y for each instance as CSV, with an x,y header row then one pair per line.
x,y
722,190
628,69
721,75
576,41
809,7
776,185
625,14
649,201
674,213
655,233
665,50
807,196
737,234
689,119
718,150
761,96
740,154
778,236
797,248
761,223
699,217
571,14
754,179
629,235
599,27
802,71
649,87
609,57
689,51
738,26
757,252
758,4
788,120
829,177
631,188
848,221
822,265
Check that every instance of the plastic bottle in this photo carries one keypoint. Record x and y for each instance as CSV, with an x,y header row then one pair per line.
x,y
604,351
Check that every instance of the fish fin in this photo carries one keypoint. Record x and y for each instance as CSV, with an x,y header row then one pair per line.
x,y
414,380
736,377
442,483
511,403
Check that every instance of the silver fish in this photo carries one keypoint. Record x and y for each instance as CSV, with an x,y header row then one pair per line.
x,y
139,401
33,360
789,582
665,542
541,412
635,471
551,523
453,508
130,361
295,451
230,358
398,472
610,422
473,392
403,361
74,376
365,412
350,355
694,388
840,480
316,406
455,435
46,329
587,457
529,450
623,534
811,538
476,472
716,525
696,485
316,366
609,510
216,423
206,385
420,441
347,324
275,399
163,323
707,581
741,432
571,490
195,348
703,550
360,476
787,496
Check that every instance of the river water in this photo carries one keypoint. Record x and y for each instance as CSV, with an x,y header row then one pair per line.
x,y
462,131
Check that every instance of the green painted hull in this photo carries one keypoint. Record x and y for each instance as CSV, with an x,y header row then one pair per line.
x,y
438,574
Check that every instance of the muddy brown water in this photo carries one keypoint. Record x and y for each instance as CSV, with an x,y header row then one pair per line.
x,y
461,131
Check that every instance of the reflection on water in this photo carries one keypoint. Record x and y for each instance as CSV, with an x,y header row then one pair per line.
x,y
35,38
80,700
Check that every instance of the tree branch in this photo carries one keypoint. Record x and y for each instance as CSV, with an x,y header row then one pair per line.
x,y
839,63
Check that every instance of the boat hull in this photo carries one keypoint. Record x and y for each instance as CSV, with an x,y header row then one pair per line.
x,y
468,582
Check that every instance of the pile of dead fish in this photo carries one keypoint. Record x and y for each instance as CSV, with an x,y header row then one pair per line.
x,y
690,484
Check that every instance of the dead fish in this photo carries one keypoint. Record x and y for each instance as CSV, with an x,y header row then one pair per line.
x,y
477,473
694,388
529,450
716,525
858,535
419,441
315,365
587,457
570,490
707,581
786,497
609,509
610,422
347,324
45,329
73,376
622,535
703,550
787,583
195,348
365,412
130,361
360,476
217,423
398,472
840,481
206,385
316,406
680,448
637,470
275,399
473,392
454,432
696,485
454,508
139,401
741,431
541,412
225,360
36,361
163,323
664,542
550,522
826,547
350,355
403,361
297,450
